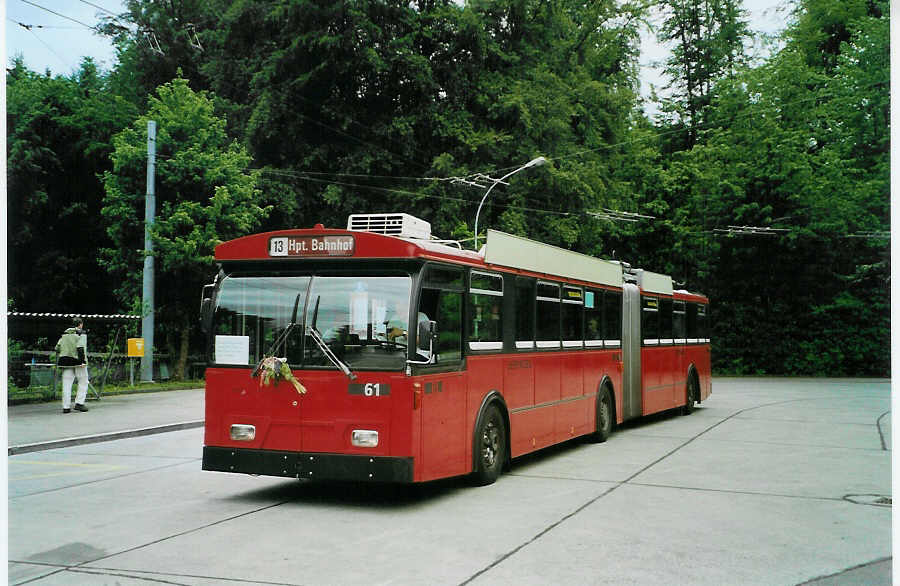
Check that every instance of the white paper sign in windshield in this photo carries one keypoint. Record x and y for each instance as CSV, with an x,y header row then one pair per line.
x,y
232,349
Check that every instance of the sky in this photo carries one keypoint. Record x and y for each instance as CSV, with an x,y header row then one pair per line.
x,y
61,43
65,36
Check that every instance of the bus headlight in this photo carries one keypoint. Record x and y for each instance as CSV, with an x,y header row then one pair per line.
x,y
364,438
243,433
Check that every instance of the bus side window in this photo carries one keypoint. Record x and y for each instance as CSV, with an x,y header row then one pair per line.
x,y
593,318
572,317
692,329
445,308
548,315
612,319
485,327
524,303
441,301
702,323
650,320
665,321
678,322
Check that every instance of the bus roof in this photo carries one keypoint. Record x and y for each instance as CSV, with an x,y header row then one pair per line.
x,y
521,253
500,250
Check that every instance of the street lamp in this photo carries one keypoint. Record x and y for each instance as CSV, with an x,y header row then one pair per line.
x,y
532,163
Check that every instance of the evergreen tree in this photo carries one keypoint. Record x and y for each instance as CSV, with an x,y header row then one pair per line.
x,y
708,37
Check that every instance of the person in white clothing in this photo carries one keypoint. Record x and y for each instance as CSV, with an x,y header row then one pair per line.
x,y
71,352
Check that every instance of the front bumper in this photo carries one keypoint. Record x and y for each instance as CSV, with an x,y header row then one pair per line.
x,y
312,466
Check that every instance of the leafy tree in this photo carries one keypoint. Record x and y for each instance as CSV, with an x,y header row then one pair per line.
x,y
821,27
205,195
59,131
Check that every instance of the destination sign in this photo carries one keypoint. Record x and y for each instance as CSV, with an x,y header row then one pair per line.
x,y
311,246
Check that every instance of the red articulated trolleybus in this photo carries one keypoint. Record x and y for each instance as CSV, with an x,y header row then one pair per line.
x,y
416,360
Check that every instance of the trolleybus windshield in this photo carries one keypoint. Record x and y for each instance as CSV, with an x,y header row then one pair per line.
x,y
362,319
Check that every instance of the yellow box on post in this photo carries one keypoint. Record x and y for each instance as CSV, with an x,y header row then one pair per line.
x,y
135,350
135,347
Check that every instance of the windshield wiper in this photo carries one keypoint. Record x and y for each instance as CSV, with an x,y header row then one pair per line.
x,y
329,354
280,339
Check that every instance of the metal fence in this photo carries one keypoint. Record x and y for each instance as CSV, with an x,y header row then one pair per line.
x,y
33,375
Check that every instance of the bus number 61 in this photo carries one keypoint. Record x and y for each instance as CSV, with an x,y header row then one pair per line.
x,y
370,389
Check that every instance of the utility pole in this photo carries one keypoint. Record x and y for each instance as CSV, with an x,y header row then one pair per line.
x,y
147,305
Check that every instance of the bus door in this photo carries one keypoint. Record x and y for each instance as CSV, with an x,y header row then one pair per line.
x,y
443,405
444,384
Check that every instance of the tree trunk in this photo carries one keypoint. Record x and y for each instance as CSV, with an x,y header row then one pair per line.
x,y
181,363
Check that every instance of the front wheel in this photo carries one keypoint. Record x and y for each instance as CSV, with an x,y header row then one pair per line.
x,y
490,447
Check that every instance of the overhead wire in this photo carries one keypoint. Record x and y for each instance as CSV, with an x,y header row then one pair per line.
x,y
42,26
115,17
608,215
29,28
603,214
302,176
75,20
98,7
152,41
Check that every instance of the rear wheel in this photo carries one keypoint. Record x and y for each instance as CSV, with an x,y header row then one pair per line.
x,y
605,415
490,447
692,395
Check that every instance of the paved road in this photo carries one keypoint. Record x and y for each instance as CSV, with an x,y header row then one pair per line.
x,y
769,482
38,426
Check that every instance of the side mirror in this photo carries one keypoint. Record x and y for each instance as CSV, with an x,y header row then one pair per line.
x,y
206,308
427,332
206,315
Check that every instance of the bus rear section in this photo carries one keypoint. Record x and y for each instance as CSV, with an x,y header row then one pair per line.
x,y
667,352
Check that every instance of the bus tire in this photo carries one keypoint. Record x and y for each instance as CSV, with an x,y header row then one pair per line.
x,y
692,393
606,414
490,447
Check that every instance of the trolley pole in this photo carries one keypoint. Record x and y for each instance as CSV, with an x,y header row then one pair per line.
x,y
148,307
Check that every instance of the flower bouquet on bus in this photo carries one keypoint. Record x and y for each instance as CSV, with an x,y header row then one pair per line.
x,y
272,371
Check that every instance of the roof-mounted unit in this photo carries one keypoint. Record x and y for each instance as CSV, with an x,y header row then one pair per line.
x,y
654,282
402,225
